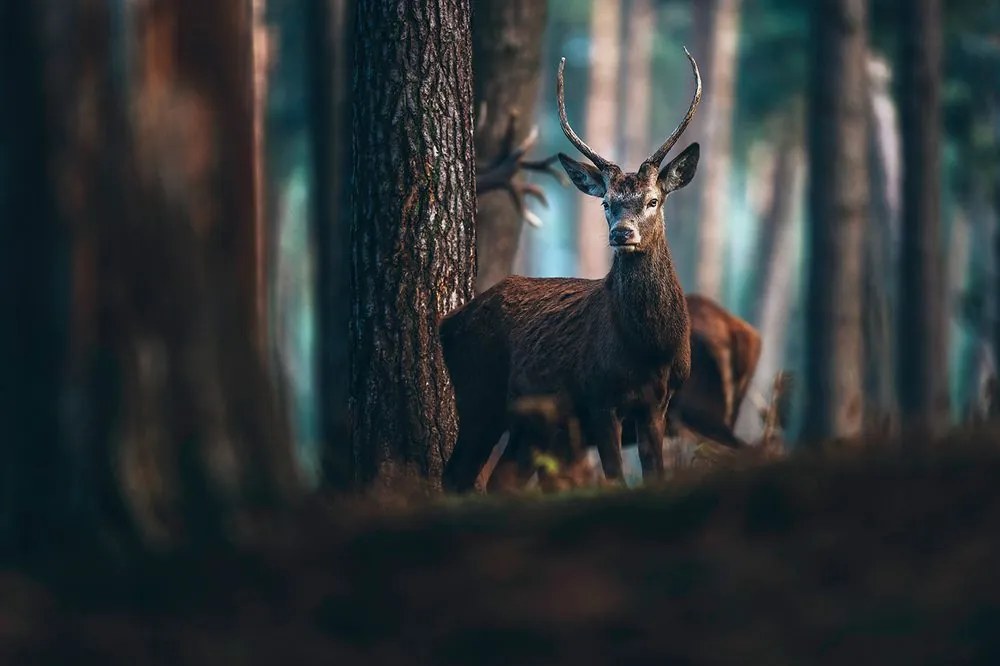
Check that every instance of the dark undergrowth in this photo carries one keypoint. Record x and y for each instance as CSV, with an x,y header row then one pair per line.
x,y
867,557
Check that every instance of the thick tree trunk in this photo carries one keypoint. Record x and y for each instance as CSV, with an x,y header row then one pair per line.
x,y
507,39
600,132
720,91
838,207
922,342
329,26
412,230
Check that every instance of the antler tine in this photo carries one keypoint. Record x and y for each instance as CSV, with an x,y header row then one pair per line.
x,y
662,151
598,161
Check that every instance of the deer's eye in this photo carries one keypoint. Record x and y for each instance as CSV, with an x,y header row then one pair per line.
x,y
652,203
604,204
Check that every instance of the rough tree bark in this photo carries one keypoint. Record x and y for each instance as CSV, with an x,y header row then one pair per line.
x,y
921,344
601,128
507,39
720,91
412,230
838,207
329,24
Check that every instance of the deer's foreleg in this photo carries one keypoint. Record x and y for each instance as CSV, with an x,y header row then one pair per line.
x,y
604,430
652,429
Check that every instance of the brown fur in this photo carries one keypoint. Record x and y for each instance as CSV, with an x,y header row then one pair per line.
x,y
724,354
613,349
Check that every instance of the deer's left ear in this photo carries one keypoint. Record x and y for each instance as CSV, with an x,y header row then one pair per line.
x,y
680,170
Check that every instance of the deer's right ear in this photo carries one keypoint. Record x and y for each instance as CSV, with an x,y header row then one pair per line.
x,y
587,179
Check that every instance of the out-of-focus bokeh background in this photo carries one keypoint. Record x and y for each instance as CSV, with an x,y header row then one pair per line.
x,y
737,233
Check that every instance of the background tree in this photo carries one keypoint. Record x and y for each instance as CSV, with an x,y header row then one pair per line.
x,y
723,19
507,41
921,344
329,29
838,208
412,229
601,126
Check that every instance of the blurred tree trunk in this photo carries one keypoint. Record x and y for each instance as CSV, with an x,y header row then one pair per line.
x,y
777,266
329,25
600,131
635,79
260,48
507,39
412,230
922,341
879,252
838,207
720,92
37,474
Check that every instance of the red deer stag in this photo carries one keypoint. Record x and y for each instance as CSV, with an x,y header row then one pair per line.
x,y
614,348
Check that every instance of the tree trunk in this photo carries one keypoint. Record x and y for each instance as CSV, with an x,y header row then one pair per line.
x,y
922,342
507,39
329,26
879,253
412,230
600,132
720,91
36,474
635,77
838,207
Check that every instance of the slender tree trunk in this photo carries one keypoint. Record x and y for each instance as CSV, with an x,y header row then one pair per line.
x,y
507,39
635,77
260,49
880,241
412,231
922,341
838,207
601,129
329,25
720,92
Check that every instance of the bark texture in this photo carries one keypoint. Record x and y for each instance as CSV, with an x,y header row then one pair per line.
x,y
507,39
412,230
921,344
838,208
720,91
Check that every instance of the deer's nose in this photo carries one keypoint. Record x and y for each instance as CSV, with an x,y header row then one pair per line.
x,y
622,234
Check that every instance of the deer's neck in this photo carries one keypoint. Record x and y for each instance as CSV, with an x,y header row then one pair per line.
x,y
648,301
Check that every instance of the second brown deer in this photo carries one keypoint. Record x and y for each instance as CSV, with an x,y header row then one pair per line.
x,y
613,348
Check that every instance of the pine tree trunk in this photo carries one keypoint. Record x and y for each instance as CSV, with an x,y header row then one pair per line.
x,y
412,230
599,131
720,91
838,208
922,342
329,26
507,39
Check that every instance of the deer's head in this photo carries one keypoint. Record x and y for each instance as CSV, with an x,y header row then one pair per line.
x,y
633,202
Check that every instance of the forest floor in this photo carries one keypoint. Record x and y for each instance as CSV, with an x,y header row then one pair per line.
x,y
873,557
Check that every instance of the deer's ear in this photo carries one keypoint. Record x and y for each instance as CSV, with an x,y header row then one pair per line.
x,y
588,179
680,170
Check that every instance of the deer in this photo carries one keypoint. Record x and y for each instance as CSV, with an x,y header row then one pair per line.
x,y
614,348
724,354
